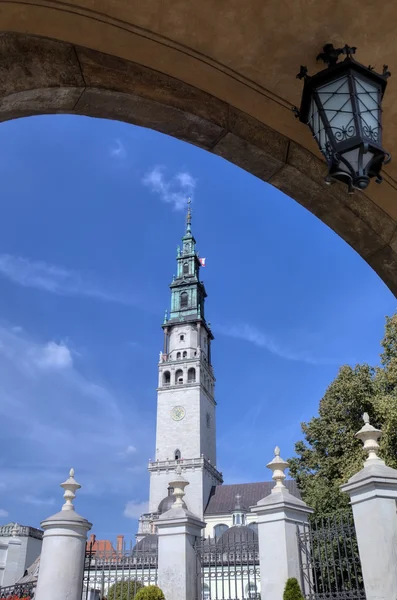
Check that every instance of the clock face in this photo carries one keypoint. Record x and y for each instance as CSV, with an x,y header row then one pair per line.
x,y
177,413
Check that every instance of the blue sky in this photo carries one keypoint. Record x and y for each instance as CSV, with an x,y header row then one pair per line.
x,y
92,212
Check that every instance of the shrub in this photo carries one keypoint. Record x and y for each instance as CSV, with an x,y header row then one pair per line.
x,y
151,592
124,590
292,590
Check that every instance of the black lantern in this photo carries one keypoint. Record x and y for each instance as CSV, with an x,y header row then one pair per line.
x,y
342,106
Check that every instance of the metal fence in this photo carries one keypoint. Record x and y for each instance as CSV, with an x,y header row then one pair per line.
x,y
228,567
329,559
18,590
111,574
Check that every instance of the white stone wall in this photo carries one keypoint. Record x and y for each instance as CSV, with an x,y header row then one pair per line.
x,y
16,559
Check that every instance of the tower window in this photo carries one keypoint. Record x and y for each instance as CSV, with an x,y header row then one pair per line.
x,y
191,375
183,299
178,355
182,338
179,377
177,455
166,378
184,354
186,268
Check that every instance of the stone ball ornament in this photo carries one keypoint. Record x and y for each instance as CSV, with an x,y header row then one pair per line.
x,y
342,105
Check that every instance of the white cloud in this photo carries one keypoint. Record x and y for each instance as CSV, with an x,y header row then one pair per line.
x,y
133,509
248,333
3,513
56,280
128,451
39,501
118,150
52,356
175,190
54,417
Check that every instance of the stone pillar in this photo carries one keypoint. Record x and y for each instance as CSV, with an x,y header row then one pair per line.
x,y
178,530
278,515
63,550
373,495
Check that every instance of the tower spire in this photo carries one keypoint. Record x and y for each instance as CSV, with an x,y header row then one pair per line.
x,y
189,216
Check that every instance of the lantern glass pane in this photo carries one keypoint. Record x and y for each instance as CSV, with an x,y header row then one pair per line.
x,y
336,102
368,99
319,130
353,158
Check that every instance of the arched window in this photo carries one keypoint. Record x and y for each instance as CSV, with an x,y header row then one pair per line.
x,y
166,378
179,377
186,268
183,299
184,354
182,338
177,455
253,526
191,375
206,592
178,355
219,530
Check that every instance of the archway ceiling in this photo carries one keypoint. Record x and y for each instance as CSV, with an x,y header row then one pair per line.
x,y
226,66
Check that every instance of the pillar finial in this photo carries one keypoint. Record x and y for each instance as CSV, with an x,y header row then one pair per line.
x,y
278,466
369,435
70,486
178,484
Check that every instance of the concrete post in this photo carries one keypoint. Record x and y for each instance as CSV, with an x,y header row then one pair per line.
x,y
278,515
63,550
178,530
373,495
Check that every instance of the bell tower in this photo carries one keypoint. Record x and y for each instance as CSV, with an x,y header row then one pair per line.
x,y
186,420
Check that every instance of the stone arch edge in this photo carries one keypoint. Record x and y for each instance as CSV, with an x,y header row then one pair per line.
x,y
44,76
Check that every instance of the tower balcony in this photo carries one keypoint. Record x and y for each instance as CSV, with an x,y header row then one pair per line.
x,y
186,464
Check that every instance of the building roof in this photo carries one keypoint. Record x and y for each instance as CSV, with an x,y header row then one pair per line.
x,y
236,534
99,546
31,574
223,497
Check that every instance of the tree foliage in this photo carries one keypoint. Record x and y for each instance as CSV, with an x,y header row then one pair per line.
x,y
124,590
330,453
292,590
151,592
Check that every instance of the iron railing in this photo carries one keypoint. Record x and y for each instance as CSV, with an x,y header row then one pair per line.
x,y
18,590
329,560
119,573
228,567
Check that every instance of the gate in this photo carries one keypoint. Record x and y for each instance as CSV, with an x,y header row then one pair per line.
x,y
128,568
228,567
329,560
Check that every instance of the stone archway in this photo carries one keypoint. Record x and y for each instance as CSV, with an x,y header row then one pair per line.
x,y
46,76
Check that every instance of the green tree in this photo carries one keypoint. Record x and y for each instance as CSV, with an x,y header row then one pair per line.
x,y
292,590
151,592
124,590
330,452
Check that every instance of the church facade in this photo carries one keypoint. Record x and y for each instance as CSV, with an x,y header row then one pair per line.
x,y
186,414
